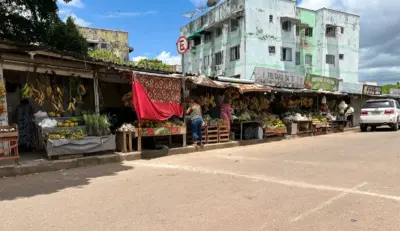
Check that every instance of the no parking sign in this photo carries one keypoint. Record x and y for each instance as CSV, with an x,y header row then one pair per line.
x,y
182,45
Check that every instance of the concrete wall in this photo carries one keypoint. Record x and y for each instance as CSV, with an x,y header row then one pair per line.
x,y
346,44
117,41
256,34
218,17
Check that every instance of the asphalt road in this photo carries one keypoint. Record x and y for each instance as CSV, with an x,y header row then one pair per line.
x,y
338,182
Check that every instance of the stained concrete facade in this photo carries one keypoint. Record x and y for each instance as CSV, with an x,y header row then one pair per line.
x,y
261,38
115,41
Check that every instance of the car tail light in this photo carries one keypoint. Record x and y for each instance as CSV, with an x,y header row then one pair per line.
x,y
364,112
389,112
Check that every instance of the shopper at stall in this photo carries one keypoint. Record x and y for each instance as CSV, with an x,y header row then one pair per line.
x,y
348,112
196,119
226,113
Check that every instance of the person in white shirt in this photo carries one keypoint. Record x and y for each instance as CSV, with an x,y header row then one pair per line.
x,y
348,112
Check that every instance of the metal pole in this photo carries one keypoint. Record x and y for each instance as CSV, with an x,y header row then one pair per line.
x,y
96,93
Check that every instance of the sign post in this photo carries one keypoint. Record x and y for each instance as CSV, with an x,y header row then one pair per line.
x,y
278,78
372,90
318,82
182,45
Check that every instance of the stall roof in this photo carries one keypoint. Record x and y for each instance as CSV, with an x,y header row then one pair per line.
x,y
243,88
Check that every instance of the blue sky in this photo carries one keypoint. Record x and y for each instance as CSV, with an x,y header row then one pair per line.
x,y
153,25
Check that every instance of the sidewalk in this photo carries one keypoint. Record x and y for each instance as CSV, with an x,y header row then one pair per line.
x,y
37,163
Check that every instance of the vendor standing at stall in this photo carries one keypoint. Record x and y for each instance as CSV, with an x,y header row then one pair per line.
x,y
196,120
348,112
226,113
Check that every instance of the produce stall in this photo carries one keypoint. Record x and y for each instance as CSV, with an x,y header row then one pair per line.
x,y
77,135
149,128
9,139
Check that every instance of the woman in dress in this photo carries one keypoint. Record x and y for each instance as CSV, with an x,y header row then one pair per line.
x,y
226,113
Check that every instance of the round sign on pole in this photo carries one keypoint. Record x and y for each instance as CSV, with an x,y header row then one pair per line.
x,y
182,45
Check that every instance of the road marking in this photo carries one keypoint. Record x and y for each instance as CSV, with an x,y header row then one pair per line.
x,y
326,203
268,180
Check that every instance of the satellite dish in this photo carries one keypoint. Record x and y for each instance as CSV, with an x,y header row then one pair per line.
x,y
211,3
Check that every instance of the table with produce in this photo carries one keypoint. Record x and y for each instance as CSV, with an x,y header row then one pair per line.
x,y
76,135
151,128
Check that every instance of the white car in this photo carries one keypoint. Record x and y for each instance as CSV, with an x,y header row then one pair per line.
x,y
380,112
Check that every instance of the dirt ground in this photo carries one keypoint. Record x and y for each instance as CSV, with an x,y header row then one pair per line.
x,y
337,182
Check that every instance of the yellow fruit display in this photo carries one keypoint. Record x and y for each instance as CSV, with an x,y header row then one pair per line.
x,y
60,124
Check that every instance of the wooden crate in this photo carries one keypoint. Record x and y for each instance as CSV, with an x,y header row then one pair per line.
x,y
223,134
124,141
189,136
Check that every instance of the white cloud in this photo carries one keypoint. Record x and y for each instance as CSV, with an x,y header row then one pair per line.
x,y
73,3
64,11
78,21
169,59
379,35
164,56
129,14
138,58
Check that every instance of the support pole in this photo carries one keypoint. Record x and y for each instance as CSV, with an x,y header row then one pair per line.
x,y
3,116
96,93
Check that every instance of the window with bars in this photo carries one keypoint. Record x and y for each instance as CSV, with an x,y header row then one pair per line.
x,y
309,32
286,54
235,53
219,58
308,60
330,31
330,59
297,58
297,30
207,37
271,19
341,56
287,26
206,61
234,24
218,32
197,41
271,50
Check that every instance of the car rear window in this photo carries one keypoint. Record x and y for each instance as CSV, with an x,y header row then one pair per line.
x,y
378,104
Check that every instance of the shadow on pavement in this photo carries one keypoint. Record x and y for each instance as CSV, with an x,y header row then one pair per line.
x,y
51,182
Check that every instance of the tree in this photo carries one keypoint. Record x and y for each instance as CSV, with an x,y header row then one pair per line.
x,y
386,88
37,22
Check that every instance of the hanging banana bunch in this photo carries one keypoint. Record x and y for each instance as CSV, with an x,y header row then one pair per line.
x,y
71,105
27,91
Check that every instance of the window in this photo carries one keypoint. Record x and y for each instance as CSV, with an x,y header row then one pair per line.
x,y
287,26
330,31
271,19
297,58
330,59
207,37
234,24
342,30
218,32
297,30
341,56
271,50
397,105
206,61
309,31
378,104
104,46
308,60
235,53
197,41
286,54
219,58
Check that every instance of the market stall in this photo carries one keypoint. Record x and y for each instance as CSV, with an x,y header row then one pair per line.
x,y
157,101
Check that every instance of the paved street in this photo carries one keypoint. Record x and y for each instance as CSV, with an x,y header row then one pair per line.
x,y
338,182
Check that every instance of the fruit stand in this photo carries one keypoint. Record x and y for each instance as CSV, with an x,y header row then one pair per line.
x,y
76,135
9,135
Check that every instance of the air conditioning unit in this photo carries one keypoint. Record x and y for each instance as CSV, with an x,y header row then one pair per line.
x,y
217,67
220,73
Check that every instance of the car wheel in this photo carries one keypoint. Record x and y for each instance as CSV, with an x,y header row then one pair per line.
x,y
395,127
363,127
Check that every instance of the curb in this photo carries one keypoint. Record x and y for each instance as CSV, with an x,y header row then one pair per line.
x,y
57,165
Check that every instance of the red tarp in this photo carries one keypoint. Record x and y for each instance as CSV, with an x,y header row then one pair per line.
x,y
157,98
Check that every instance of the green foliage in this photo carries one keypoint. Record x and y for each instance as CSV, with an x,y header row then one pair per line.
x,y
105,55
386,88
148,64
37,22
